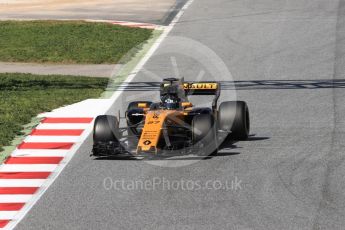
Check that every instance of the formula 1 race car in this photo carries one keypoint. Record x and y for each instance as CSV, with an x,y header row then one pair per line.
x,y
172,126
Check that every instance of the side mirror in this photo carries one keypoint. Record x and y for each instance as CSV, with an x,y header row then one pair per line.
x,y
186,105
142,105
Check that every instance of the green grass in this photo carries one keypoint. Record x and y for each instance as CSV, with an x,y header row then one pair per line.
x,y
67,41
23,96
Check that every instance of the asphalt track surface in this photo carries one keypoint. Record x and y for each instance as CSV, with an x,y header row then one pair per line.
x,y
287,60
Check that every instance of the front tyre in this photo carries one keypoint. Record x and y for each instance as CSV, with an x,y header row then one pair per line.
x,y
233,116
204,134
106,136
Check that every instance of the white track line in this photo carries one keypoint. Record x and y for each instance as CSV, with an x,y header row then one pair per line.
x,y
88,127
15,198
52,139
21,182
62,126
28,167
8,215
39,153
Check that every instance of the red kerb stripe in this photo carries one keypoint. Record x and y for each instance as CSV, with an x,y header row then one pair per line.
x,y
11,206
56,132
45,145
18,190
33,160
3,223
67,120
24,175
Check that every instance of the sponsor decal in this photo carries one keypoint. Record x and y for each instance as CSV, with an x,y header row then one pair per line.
x,y
137,114
200,86
210,85
147,142
153,122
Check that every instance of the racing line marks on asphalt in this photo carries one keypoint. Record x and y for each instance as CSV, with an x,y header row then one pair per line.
x,y
35,159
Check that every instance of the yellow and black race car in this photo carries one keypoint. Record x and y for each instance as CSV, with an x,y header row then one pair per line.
x,y
173,126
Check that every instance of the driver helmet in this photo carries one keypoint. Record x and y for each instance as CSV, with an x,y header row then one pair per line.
x,y
171,102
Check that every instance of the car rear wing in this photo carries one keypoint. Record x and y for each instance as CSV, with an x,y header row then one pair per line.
x,y
191,88
203,88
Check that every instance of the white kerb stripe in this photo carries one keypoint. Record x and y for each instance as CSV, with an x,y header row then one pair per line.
x,y
28,167
63,126
8,215
40,153
15,198
21,182
52,139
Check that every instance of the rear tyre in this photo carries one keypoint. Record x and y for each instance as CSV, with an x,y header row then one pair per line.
x,y
234,116
204,134
106,136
